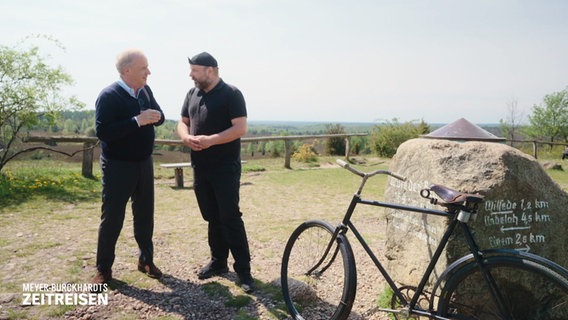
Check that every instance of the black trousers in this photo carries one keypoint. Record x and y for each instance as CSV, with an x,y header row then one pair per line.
x,y
122,181
217,193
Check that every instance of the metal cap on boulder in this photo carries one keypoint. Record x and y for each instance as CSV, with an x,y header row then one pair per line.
x,y
463,130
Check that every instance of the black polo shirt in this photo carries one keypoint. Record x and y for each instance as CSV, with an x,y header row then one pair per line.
x,y
211,113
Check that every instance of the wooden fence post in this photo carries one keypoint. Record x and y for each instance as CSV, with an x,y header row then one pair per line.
x,y
287,153
347,148
87,168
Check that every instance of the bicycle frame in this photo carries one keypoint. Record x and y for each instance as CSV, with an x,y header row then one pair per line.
x,y
454,293
346,225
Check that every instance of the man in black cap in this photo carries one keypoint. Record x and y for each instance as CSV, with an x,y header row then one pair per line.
x,y
213,119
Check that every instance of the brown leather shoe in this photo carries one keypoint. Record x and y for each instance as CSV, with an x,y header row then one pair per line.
x,y
102,277
150,270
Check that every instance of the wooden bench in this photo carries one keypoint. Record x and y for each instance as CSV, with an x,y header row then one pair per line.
x,y
178,171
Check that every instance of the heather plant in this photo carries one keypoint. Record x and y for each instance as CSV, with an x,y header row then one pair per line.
x,y
306,153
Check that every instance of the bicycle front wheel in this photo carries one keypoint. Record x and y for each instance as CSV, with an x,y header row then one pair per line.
x,y
529,290
316,285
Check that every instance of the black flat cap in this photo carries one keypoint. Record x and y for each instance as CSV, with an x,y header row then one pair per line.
x,y
203,59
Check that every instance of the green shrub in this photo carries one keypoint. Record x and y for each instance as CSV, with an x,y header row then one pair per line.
x,y
335,146
386,137
276,148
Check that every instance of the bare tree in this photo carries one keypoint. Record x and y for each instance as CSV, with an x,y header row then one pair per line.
x,y
511,124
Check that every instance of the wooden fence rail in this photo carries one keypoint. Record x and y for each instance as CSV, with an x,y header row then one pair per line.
x,y
535,144
88,145
90,142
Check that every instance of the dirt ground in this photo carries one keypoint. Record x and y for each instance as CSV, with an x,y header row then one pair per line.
x,y
56,244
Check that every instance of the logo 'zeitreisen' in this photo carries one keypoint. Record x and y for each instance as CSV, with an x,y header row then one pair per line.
x,y
83,294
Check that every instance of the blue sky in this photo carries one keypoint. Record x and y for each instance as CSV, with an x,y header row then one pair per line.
x,y
318,60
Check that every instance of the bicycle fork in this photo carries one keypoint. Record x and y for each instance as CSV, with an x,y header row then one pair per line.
x,y
339,230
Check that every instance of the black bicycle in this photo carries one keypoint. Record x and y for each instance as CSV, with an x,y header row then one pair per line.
x,y
319,275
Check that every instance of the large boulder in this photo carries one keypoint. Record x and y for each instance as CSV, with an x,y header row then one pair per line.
x,y
524,208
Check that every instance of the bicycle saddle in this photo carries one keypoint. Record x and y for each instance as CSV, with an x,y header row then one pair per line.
x,y
453,196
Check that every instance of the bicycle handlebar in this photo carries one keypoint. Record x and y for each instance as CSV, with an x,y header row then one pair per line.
x,y
362,174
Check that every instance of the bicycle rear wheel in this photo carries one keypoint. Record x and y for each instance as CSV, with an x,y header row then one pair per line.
x,y
530,290
327,292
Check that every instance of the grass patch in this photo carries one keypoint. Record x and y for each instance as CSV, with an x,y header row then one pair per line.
x,y
33,248
384,300
57,181
59,311
253,168
238,301
275,293
136,279
243,315
560,177
75,266
217,290
16,314
10,287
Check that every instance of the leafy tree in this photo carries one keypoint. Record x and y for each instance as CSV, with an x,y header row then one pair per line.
x,y
29,96
550,120
70,126
85,124
90,131
335,146
386,138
